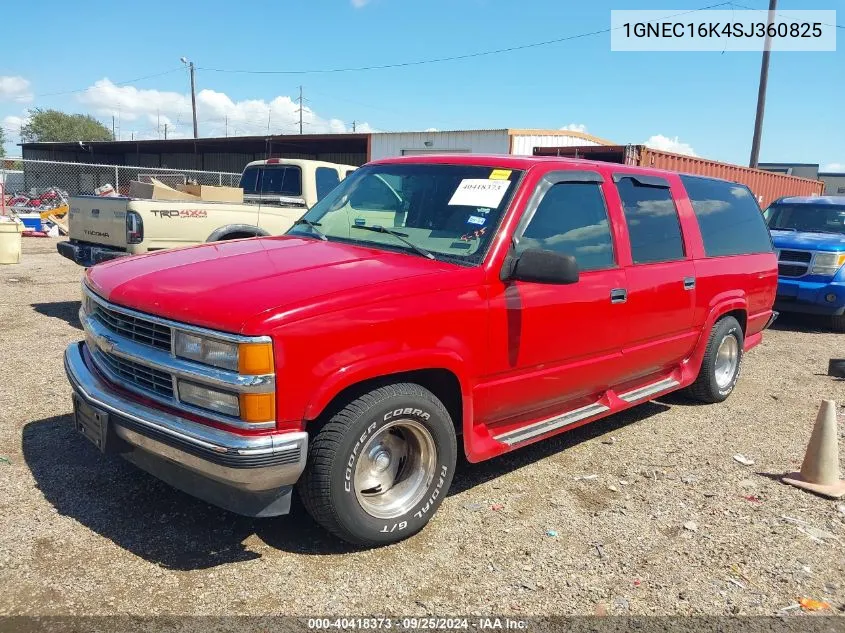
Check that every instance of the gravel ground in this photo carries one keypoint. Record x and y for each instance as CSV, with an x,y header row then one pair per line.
x,y
667,522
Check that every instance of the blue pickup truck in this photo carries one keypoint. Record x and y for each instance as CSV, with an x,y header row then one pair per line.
x,y
809,239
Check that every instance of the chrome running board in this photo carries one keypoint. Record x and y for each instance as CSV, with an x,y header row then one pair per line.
x,y
550,424
648,390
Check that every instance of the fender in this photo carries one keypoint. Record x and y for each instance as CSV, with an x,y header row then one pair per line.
x,y
379,366
719,305
221,232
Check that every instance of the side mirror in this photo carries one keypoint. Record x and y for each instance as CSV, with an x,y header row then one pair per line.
x,y
544,267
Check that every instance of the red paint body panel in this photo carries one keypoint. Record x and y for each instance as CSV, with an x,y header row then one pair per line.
x,y
520,352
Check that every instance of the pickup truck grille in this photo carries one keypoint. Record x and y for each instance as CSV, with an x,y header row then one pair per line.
x,y
138,329
794,263
140,376
791,270
796,256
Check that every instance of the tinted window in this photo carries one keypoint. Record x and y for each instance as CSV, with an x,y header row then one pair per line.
x,y
349,172
729,217
327,179
811,218
652,220
249,179
285,180
572,219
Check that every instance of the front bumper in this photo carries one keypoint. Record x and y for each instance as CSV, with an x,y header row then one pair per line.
x,y
810,297
250,475
87,254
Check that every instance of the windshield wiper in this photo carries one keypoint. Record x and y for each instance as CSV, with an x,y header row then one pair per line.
x,y
313,226
377,228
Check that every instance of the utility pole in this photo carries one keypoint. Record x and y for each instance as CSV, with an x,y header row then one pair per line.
x,y
300,110
158,123
353,127
761,91
113,137
226,118
192,70
165,131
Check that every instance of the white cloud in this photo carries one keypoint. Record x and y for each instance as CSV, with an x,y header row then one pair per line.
x,y
217,113
658,141
575,127
834,167
15,89
11,131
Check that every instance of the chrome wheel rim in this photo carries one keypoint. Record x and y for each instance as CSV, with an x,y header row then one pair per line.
x,y
395,469
727,359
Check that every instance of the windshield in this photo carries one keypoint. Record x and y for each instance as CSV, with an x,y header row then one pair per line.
x,y
448,211
819,218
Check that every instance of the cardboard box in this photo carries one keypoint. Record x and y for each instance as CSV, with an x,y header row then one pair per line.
x,y
213,193
157,191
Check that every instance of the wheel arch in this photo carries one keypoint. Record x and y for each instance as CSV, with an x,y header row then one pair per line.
x,y
443,382
222,232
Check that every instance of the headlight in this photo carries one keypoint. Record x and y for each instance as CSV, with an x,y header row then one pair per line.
x,y
828,263
249,407
251,359
207,398
206,350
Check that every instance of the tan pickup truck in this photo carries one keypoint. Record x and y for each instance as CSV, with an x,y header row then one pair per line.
x,y
276,193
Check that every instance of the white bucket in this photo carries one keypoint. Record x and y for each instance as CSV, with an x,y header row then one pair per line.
x,y
10,242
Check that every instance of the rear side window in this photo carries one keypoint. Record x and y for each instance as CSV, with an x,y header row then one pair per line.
x,y
572,219
729,217
327,179
652,220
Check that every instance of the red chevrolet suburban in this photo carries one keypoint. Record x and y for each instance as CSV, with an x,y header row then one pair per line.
x,y
488,300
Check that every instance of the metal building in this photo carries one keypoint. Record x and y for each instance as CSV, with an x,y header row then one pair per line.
x,y
230,154
502,141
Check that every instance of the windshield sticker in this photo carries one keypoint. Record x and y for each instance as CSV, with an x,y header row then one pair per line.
x,y
500,174
474,192
476,219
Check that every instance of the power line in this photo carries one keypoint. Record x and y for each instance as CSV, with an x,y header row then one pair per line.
x,y
437,60
119,83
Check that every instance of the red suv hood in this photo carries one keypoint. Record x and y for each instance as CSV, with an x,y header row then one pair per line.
x,y
229,286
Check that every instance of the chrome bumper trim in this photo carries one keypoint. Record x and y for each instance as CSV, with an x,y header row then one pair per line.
x,y
244,463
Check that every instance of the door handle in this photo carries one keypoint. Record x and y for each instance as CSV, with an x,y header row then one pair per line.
x,y
689,283
618,295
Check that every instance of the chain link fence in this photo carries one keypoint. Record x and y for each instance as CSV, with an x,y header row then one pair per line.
x,y
28,176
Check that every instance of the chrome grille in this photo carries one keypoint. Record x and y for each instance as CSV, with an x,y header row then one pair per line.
x,y
147,378
135,328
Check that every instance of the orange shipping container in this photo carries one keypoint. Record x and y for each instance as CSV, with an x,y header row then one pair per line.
x,y
767,186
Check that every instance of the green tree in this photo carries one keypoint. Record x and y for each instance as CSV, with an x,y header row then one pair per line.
x,y
2,142
52,125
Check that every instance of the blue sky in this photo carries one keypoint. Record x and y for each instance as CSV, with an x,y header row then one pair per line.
x,y
704,100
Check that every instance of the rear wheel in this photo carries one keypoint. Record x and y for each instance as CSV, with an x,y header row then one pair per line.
x,y
722,362
379,468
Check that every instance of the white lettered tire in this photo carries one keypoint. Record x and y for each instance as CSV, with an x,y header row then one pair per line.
x,y
380,467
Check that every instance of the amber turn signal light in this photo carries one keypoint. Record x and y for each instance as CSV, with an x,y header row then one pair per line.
x,y
258,407
255,358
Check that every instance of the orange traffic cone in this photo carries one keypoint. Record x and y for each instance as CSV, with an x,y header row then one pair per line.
x,y
820,470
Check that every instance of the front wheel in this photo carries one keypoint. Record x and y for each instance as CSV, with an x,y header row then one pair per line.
x,y
722,362
379,468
